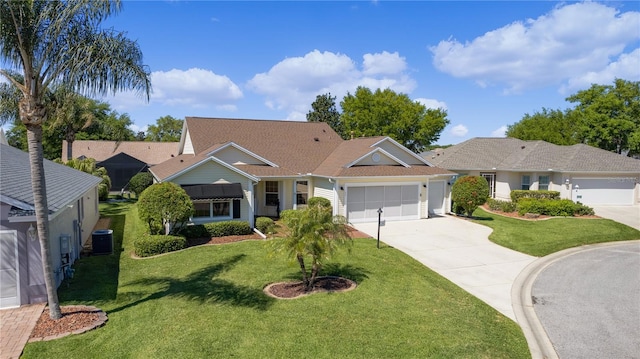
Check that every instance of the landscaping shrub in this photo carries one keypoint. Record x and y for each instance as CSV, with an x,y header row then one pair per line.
x,y
552,207
503,206
264,224
319,201
516,195
469,192
286,212
150,245
228,228
583,210
164,205
140,182
194,231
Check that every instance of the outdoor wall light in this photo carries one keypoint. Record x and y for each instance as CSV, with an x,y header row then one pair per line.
x,y
31,232
567,181
341,188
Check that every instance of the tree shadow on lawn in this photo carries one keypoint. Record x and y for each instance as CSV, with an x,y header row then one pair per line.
x,y
356,274
203,286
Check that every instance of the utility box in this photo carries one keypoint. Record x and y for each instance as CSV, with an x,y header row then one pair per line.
x,y
65,240
102,241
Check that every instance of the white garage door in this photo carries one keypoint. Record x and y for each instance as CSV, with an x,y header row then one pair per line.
x,y
611,191
436,197
397,202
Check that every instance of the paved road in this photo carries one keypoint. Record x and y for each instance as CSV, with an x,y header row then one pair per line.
x,y
589,302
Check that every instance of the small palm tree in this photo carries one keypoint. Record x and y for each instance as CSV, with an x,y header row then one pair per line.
x,y
45,43
88,165
314,233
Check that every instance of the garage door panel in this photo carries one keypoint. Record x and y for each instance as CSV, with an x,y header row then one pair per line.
x,y
601,191
397,202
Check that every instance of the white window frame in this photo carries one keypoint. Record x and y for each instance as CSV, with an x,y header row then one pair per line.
x,y
267,192
540,184
527,183
211,217
305,193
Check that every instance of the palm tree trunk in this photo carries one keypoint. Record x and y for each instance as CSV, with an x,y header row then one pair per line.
x,y
34,139
305,278
315,268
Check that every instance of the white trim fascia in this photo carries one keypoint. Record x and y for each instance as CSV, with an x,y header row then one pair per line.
x,y
246,151
377,149
391,177
16,203
214,159
183,136
415,155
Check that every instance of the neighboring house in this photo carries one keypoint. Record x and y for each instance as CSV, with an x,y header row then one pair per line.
x,y
122,160
579,172
241,169
73,212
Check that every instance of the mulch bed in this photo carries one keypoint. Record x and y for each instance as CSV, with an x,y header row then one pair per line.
x,y
75,319
222,240
291,290
518,216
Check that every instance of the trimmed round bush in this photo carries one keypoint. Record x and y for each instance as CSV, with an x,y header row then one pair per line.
x,y
151,245
499,205
164,205
264,224
552,207
469,192
140,182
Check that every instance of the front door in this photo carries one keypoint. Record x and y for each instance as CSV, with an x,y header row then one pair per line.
x,y
491,180
9,279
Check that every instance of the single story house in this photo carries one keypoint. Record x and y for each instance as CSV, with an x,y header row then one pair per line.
x,y
579,172
235,168
73,212
122,160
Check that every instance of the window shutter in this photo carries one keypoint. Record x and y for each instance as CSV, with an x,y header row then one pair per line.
x,y
236,208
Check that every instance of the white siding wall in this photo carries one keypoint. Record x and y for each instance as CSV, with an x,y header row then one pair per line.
x,y
188,145
232,155
323,188
212,172
399,153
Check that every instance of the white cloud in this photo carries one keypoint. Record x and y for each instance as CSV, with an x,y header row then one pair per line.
x,y
560,46
431,103
384,63
135,128
293,84
459,130
499,132
193,88
626,67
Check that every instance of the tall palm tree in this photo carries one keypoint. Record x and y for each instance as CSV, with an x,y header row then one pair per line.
x,y
73,113
51,42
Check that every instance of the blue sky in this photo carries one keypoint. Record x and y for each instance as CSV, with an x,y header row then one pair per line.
x,y
486,63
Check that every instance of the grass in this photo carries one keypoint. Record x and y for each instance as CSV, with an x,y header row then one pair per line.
x,y
207,302
543,237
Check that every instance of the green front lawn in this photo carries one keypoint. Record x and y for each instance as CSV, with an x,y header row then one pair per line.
x,y
207,302
542,237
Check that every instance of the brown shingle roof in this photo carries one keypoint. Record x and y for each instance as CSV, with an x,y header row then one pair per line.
x,y
150,153
295,147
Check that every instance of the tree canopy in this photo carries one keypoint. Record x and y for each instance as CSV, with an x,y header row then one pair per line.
x,y
386,113
166,129
323,109
605,116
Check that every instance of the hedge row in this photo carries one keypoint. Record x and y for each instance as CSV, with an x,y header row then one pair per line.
x,y
553,207
503,206
150,245
228,228
516,195
264,224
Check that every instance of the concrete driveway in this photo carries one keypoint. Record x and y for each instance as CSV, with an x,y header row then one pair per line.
x,y
629,215
460,251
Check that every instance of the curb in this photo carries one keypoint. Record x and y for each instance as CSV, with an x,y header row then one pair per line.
x,y
539,343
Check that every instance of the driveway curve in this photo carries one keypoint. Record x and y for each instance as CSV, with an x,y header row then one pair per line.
x,y
460,251
588,301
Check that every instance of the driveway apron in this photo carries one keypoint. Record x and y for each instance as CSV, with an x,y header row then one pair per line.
x,y
460,251
629,215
